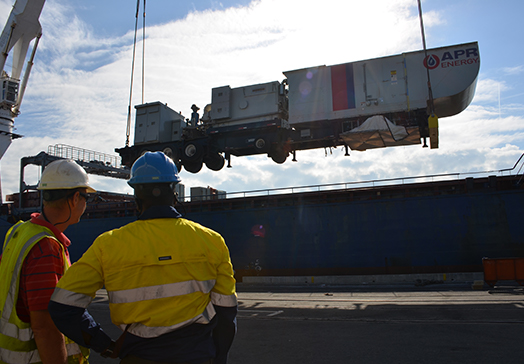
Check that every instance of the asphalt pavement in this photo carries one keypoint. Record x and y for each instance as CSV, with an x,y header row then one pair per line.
x,y
442,323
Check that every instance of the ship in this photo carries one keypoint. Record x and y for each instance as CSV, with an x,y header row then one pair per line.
x,y
443,223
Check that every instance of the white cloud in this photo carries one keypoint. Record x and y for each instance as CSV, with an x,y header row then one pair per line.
x,y
514,70
79,90
488,90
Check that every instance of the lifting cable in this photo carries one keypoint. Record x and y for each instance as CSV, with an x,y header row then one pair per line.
x,y
143,49
430,92
128,129
432,119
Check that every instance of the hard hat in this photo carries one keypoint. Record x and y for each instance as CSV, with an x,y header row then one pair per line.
x,y
153,167
64,174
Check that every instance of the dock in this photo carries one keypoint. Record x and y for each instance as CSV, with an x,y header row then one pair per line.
x,y
401,323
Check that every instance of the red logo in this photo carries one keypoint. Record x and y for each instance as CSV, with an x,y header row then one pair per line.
x,y
431,62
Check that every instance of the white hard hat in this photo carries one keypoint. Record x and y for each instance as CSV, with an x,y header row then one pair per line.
x,y
64,174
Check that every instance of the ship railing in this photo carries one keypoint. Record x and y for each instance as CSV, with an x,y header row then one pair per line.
x,y
84,155
518,167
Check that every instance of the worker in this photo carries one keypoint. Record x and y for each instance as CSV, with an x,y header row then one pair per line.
x,y
169,281
35,257
195,118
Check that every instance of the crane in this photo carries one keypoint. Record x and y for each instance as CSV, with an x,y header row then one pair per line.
x,y
21,28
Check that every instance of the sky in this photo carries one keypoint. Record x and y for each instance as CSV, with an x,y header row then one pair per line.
x,y
78,92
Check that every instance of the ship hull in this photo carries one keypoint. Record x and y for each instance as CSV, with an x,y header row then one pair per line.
x,y
424,230
433,227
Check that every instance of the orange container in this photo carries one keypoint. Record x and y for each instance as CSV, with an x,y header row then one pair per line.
x,y
490,271
519,270
503,269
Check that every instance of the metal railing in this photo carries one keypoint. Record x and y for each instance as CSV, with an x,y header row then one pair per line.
x,y
84,155
371,183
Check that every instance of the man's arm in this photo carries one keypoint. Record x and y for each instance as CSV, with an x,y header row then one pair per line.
x,y
224,299
78,325
73,294
224,332
49,341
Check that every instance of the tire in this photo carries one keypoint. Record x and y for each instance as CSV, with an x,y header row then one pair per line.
x,y
278,155
142,152
169,152
192,152
193,167
174,157
214,162
260,143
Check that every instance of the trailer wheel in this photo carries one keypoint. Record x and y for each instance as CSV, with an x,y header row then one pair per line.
x,y
260,143
174,157
168,152
214,161
138,155
192,153
278,155
193,167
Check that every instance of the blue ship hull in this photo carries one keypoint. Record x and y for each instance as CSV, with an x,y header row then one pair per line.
x,y
434,227
429,228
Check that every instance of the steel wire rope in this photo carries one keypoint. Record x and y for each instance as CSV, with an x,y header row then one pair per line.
x,y
128,129
143,50
430,91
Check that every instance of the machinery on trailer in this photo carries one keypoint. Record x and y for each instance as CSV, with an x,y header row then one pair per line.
x,y
381,102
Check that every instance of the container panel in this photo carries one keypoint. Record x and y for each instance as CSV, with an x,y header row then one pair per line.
x,y
157,123
248,104
221,99
385,85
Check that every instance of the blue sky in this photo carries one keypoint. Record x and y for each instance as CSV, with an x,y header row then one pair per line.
x,y
79,88
102,14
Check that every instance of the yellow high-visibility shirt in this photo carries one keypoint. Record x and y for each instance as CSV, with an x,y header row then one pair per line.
x,y
160,275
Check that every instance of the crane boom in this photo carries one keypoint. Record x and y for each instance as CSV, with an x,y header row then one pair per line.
x,y
21,28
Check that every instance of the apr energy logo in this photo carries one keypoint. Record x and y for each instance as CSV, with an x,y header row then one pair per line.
x,y
457,58
432,61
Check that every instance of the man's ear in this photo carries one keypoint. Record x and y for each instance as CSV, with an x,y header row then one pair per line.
x,y
76,198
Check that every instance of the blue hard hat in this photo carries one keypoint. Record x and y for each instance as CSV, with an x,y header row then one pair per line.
x,y
153,167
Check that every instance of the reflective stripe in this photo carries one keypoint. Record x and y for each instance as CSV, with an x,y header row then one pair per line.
x,y
18,357
224,300
13,229
12,330
160,291
17,338
73,349
141,330
66,297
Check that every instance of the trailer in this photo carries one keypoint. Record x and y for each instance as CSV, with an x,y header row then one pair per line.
x,y
375,103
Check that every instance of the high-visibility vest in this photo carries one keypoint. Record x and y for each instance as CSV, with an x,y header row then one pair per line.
x,y
17,342
160,275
